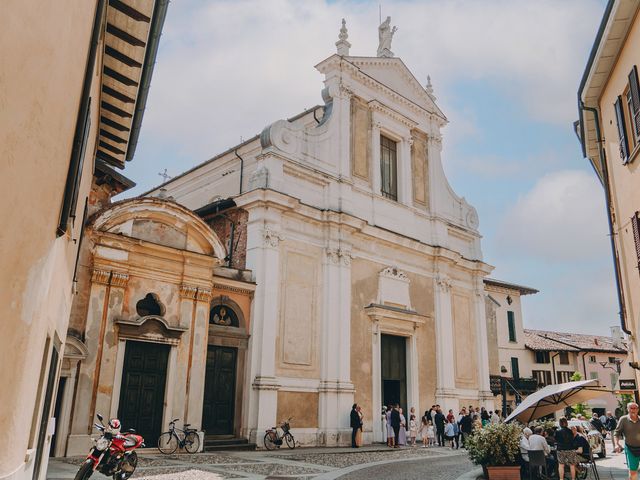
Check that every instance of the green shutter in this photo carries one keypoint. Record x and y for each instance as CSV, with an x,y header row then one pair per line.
x,y
622,131
515,368
512,326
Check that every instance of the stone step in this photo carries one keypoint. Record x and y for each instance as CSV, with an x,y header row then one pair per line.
x,y
212,443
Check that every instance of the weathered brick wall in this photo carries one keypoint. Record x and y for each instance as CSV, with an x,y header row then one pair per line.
x,y
221,224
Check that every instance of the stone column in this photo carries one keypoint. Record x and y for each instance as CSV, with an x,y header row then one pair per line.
x,y
263,258
486,397
199,300
445,358
105,303
405,194
375,157
336,389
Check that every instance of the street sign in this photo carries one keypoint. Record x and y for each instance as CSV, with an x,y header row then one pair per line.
x,y
629,384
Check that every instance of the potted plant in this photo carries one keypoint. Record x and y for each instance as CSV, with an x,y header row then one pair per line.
x,y
496,447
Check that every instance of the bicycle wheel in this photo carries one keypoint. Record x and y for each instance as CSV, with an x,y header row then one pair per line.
x,y
192,442
291,443
167,443
269,441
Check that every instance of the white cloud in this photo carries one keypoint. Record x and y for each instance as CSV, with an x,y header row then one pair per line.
x,y
562,218
226,69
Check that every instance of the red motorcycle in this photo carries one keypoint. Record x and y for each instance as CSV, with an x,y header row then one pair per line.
x,y
112,453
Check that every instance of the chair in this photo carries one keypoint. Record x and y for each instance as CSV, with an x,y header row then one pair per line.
x,y
537,463
590,465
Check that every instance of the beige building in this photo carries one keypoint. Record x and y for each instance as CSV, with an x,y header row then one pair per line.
x,y
368,266
609,128
74,82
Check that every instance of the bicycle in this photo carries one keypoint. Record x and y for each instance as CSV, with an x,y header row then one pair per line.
x,y
168,442
272,439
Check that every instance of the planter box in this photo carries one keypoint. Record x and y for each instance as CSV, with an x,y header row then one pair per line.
x,y
511,472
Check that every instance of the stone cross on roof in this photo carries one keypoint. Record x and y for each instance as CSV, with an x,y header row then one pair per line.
x,y
342,44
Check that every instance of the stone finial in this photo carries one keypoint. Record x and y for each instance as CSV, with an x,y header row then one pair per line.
x,y
385,35
342,44
429,88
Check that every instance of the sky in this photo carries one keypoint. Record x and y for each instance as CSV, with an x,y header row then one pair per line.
x,y
505,73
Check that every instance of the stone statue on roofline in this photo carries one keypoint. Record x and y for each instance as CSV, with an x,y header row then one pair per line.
x,y
385,35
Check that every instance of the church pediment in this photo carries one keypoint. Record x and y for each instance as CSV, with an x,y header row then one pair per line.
x,y
389,73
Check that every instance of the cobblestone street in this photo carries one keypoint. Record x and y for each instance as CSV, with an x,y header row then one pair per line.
x,y
312,463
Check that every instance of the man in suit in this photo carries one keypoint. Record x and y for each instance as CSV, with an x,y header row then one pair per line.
x,y
355,424
395,422
440,420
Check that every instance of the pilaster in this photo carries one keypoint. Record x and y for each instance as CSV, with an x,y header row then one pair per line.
x,y
486,397
445,358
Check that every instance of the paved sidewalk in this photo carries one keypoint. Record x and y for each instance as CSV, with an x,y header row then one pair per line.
x,y
301,463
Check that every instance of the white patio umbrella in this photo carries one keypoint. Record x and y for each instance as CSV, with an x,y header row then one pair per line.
x,y
555,397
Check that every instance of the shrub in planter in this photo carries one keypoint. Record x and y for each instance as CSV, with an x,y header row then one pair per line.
x,y
495,446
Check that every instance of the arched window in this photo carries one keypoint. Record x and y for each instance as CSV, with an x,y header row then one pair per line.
x,y
223,315
150,305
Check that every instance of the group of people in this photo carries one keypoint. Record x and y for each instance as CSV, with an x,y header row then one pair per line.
x,y
567,446
434,427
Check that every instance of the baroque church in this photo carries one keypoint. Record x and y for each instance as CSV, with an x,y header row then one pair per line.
x,y
325,262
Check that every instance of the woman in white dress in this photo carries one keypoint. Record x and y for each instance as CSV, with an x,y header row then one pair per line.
x,y
391,436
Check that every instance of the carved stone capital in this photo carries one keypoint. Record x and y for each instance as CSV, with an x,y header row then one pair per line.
x,y
271,238
119,279
443,282
339,256
204,295
100,276
188,291
106,277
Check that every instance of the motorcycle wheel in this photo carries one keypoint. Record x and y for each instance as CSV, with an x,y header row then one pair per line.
x,y
291,443
167,443
192,442
269,442
86,470
127,467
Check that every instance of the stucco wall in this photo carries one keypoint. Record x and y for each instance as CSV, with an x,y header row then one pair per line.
x,y
302,406
624,179
46,45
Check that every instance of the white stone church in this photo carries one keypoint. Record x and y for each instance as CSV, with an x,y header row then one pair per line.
x,y
368,267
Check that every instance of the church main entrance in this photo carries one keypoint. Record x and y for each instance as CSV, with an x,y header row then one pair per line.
x,y
144,377
219,390
393,359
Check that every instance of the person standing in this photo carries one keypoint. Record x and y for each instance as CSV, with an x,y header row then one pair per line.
x,y
629,428
390,434
449,432
413,429
450,415
355,425
596,423
424,423
402,434
610,423
359,432
495,417
440,421
466,427
395,424
566,451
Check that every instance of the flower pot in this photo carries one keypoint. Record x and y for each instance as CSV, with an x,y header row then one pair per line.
x,y
510,472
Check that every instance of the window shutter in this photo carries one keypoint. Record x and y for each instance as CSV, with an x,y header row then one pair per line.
x,y
622,132
635,99
635,223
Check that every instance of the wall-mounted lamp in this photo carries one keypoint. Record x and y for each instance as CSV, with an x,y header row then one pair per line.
x,y
503,369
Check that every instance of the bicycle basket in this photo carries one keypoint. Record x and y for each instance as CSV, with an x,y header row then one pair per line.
x,y
286,427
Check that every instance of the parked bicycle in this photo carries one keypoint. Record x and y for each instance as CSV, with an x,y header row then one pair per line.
x,y
273,439
168,442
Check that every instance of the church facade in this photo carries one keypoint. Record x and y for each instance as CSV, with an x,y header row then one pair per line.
x,y
367,266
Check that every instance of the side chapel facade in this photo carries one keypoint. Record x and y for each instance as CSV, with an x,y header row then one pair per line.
x,y
367,266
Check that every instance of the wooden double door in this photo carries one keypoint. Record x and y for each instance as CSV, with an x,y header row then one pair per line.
x,y
142,390
219,390
393,355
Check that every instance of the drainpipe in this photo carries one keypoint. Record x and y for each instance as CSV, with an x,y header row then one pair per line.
x,y
241,172
607,194
584,365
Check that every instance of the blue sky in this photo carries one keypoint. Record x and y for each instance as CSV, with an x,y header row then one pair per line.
x,y
504,72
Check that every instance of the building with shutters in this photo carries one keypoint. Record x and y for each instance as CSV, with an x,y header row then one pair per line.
x,y
74,83
609,129
368,267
